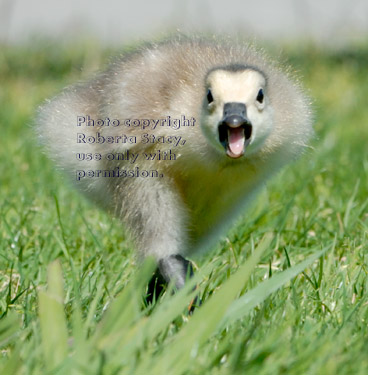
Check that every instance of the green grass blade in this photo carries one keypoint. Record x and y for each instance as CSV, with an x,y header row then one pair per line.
x,y
9,327
12,365
257,295
54,331
125,309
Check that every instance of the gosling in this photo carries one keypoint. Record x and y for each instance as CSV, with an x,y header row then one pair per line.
x,y
175,138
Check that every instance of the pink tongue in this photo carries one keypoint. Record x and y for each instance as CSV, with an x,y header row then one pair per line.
x,y
236,140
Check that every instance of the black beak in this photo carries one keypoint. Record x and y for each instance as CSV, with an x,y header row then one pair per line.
x,y
235,129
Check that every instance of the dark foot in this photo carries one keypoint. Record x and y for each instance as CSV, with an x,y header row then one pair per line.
x,y
156,286
174,268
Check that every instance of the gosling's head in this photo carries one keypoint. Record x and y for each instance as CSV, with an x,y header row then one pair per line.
x,y
237,116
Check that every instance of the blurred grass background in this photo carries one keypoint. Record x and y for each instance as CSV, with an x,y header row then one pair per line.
x,y
92,318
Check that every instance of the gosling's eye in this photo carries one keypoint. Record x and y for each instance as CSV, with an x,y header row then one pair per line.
x,y
260,96
209,97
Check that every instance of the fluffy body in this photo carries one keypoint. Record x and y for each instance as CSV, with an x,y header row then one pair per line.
x,y
204,190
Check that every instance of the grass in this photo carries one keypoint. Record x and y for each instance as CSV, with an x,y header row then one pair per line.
x,y
284,293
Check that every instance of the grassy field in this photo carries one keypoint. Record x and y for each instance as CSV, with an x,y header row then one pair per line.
x,y
284,293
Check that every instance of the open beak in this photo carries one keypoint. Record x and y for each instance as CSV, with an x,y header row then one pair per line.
x,y
235,130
